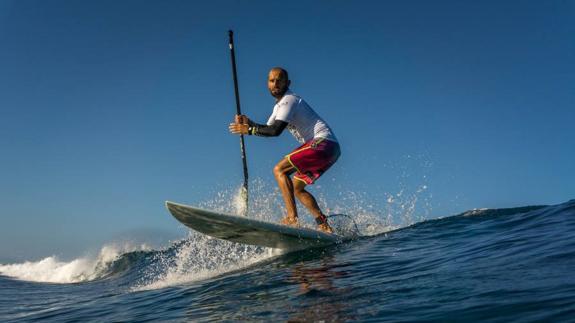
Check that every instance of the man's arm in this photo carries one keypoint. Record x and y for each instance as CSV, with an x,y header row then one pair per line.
x,y
267,131
244,126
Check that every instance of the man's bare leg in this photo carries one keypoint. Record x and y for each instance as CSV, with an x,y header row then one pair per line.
x,y
282,172
310,203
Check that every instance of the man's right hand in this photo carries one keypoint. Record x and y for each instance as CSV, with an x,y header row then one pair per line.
x,y
242,119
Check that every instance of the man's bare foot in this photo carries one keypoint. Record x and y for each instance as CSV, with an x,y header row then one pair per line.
x,y
325,227
287,220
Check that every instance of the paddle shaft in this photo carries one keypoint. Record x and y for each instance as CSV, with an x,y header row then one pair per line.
x,y
239,112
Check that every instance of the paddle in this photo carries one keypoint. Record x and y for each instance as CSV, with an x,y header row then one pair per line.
x,y
244,190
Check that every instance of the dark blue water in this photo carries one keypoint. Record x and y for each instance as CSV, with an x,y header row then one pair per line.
x,y
491,265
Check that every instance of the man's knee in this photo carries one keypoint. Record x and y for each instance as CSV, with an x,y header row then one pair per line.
x,y
279,171
283,168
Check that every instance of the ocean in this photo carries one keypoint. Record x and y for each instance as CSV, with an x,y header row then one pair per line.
x,y
488,265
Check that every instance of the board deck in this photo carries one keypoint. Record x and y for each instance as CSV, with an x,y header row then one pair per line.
x,y
250,231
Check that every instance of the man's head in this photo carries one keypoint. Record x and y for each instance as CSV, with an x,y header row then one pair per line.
x,y
278,82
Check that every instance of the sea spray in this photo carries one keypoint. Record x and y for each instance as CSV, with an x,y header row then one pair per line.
x,y
372,212
264,201
200,257
240,201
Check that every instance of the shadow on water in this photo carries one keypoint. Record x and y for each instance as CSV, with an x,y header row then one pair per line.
x,y
319,296
298,286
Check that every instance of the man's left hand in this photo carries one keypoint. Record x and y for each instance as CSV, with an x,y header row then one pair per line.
x,y
239,129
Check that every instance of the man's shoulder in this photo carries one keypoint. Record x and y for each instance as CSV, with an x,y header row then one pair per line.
x,y
289,99
289,93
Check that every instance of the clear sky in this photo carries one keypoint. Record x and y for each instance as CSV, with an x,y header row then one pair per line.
x,y
109,108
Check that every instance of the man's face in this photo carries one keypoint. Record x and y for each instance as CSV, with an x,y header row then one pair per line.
x,y
277,83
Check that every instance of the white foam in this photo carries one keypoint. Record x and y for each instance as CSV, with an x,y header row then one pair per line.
x,y
203,257
53,270
239,201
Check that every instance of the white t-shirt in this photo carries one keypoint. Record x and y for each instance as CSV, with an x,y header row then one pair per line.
x,y
303,123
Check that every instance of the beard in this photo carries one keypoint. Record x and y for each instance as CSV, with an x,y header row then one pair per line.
x,y
278,92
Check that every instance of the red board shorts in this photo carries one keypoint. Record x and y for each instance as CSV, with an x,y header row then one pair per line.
x,y
313,158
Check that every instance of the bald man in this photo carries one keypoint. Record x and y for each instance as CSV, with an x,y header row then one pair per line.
x,y
319,148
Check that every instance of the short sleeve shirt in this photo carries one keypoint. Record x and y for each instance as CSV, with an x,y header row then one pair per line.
x,y
303,122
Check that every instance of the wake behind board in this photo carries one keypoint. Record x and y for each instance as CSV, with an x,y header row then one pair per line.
x,y
250,231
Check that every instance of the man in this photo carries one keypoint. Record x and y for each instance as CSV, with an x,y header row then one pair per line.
x,y
318,152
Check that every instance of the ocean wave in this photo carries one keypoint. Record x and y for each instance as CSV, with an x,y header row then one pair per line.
x,y
199,257
509,264
109,261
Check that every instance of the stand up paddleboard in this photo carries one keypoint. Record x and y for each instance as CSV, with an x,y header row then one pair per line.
x,y
250,231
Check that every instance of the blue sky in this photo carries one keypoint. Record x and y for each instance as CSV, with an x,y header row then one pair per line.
x,y
108,108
